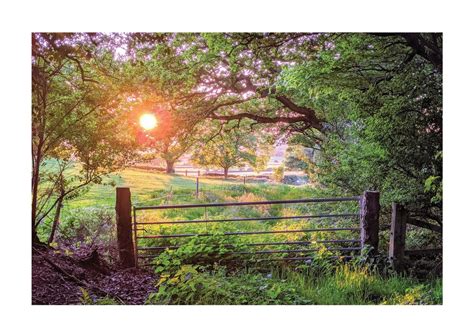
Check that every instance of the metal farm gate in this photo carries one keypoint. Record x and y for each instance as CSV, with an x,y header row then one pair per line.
x,y
142,238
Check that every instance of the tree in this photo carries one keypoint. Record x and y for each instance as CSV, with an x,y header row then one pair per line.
x,y
382,105
229,148
172,138
297,158
75,117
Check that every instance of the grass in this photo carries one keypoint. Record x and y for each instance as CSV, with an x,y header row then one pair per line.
x,y
146,186
356,285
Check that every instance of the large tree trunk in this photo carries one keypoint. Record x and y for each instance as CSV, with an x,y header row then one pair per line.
x,y
169,167
57,216
226,172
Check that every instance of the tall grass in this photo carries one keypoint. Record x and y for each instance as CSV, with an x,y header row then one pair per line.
x,y
351,284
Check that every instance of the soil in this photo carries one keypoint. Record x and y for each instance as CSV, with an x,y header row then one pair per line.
x,y
57,279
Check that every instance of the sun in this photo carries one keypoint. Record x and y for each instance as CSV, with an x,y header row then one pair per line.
x,y
148,121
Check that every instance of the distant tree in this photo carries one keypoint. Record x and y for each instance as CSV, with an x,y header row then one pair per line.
x,y
230,148
173,137
297,158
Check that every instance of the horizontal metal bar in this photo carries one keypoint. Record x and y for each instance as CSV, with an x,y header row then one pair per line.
x,y
303,242
303,258
259,244
171,222
348,249
278,251
149,264
205,205
247,233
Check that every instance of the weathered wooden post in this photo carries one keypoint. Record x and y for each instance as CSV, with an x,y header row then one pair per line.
x,y
186,172
369,219
123,210
244,179
396,250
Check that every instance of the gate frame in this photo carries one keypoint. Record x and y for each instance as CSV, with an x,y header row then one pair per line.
x,y
369,208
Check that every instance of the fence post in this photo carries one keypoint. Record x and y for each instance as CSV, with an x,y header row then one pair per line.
x,y
369,219
123,210
244,179
186,172
396,250
197,187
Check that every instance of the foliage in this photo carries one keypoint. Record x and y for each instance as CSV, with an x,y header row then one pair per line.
x,y
228,149
342,285
214,250
76,117
296,158
87,299
190,285
172,137
382,108
87,228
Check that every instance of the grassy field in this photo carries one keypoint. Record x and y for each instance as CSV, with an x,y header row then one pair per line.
x,y
149,187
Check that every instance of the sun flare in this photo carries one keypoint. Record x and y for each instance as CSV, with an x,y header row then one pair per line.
x,y
148,121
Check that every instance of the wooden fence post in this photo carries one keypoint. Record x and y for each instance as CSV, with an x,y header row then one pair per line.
x,y
396,250
123,210
369,219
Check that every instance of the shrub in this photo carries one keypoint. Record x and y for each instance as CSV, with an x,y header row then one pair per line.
x,y
89,228
191,285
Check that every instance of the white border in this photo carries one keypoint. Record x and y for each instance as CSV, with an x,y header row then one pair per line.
x,y
20,19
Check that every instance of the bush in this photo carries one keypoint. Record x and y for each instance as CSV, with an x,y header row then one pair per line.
x,y
191,285
89,228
